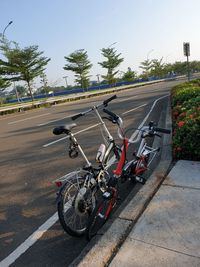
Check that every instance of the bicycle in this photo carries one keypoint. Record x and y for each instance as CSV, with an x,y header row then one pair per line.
x,y
77,196
133,169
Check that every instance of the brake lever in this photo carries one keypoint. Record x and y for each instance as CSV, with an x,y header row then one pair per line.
x,y
110,119
158,135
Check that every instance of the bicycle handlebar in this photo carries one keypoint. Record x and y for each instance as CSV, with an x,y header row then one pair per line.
x,y
114,116
105,104
145,131
162,130
76,116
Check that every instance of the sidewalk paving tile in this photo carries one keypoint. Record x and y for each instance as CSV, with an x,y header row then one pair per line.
x,y
184,173
172,220
135,253
167,234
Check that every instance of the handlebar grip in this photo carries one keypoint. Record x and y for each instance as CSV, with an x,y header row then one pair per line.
x,y
113,115
161,130
76,116
58,130
105,102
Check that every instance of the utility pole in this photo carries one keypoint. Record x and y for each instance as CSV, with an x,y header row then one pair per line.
x,y
98,80
65,77
16,92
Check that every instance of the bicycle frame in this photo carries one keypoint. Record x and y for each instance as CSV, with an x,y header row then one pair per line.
x,y
110,145
110,139
131,170
142,153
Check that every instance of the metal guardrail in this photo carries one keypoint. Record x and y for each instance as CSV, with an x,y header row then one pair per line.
x,y
56,100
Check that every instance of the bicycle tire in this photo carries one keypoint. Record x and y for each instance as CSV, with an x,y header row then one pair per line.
x,y
98,217
75,207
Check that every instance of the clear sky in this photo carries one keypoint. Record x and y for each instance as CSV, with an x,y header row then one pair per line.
x,y
139,29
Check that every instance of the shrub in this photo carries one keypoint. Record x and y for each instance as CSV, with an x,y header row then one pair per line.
x,y
186,120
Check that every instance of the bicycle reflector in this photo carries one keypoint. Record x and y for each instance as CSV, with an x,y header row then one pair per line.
x,y
58,183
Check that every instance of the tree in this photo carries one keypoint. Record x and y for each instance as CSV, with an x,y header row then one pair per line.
x,y
22,64
180,68
129,75
157,68
113,60
195,66
146,68
79,63
3,85
20,90
44,83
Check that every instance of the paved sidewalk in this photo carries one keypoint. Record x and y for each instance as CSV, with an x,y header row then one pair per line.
x,y
168,232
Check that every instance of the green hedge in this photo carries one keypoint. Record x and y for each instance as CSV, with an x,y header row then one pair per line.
x,y
186,120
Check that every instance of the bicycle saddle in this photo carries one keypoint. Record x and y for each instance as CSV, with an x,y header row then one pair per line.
x,y
64,129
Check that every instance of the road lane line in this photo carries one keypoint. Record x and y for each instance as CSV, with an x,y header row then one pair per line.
x,y
29,241
144,120
128,98
128,111
46,123
29,118
53,219
93,126
58,140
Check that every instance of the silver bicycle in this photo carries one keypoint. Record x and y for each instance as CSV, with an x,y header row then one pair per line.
x,y
77,196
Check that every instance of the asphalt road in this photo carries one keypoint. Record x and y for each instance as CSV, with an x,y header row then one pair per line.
x,y
30,161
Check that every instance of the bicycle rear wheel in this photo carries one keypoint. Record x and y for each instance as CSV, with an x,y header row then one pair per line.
x,y
98,217
74,206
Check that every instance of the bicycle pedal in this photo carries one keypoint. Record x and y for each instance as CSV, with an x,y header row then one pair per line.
x,y
107,195
140,180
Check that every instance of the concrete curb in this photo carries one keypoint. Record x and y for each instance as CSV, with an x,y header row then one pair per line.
x,y
101,250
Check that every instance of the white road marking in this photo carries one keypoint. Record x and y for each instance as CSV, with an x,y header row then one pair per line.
x,y
29,241
128,111
128,98
53,219
142,123
48,122
29,118
58,140
45,123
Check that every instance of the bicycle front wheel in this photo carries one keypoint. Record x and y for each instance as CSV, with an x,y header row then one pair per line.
x,y
98,217
74,207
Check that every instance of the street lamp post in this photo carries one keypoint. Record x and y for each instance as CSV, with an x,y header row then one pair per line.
x,y
3,35
98,78
112,44
149,53
6,28
16,92
65,77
